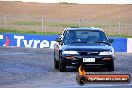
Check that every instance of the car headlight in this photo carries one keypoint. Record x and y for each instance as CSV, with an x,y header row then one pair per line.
x,y
106,53
69,52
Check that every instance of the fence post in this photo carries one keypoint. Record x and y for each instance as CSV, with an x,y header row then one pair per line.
x,y
119,26
80,22
5,21
42,24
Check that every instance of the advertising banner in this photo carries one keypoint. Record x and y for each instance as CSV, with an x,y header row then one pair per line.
x,y
28,40
48,41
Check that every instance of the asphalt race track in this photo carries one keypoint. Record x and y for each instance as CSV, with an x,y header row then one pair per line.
x,y
33,68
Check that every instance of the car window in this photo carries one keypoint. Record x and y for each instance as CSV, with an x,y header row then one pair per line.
x,y
84,36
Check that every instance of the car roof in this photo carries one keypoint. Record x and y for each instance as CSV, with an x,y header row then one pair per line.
x,y
86,28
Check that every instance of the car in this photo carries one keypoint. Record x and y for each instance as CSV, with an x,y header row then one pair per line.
x,y
89,47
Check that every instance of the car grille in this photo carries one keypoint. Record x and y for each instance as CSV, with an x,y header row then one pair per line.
x,y
88,53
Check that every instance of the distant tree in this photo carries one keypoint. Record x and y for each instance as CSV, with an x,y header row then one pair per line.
x,y
66,3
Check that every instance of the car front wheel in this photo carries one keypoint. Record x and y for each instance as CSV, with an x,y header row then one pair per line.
x,y
110,66
56,65
62,66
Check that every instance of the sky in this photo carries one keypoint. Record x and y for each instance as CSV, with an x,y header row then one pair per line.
x,y
80,1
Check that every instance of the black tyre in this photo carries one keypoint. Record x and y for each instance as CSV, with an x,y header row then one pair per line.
x,y
110,66
56,64
77,68
62,66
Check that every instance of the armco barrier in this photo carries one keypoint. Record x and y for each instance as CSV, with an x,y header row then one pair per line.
x,y
47,41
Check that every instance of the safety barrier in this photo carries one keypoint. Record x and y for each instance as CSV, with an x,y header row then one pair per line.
x,y
129,45
28,40
47,41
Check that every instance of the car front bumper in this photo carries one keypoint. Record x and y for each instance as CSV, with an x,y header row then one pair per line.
x,y
69,60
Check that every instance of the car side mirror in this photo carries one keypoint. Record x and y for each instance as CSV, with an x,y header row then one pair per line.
x,y
58,40
111,40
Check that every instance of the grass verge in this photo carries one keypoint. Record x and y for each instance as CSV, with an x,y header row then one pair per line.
x,y
123,36
50,24
3,30
59,24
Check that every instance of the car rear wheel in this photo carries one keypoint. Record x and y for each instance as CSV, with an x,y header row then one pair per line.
x,y
62,66
110,66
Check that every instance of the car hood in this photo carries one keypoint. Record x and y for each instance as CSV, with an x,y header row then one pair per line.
x,y
87,47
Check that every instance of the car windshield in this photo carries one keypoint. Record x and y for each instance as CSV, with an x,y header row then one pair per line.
x,y
84,36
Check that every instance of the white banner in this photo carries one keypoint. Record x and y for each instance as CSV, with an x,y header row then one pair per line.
x,y
1,36
129,45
